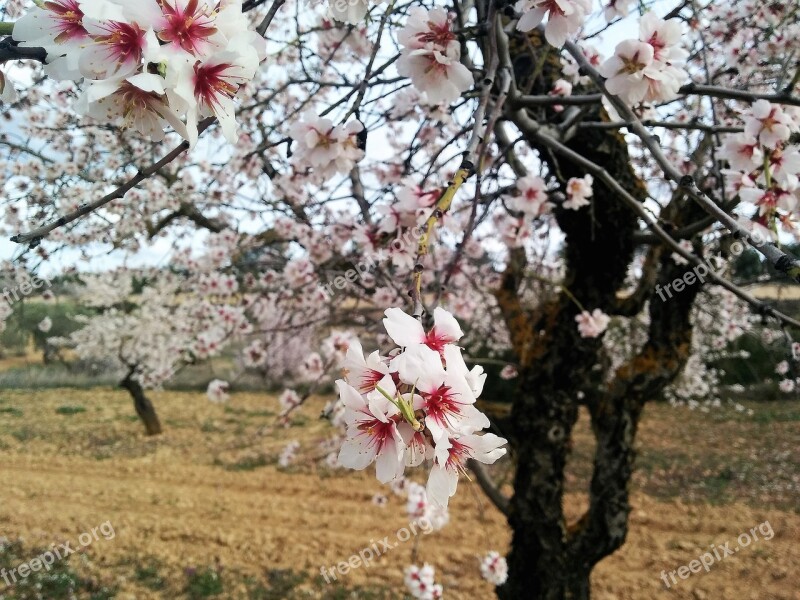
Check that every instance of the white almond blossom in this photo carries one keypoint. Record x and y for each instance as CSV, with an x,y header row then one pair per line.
x,y
324,147
579,190
564,17
218,391
649,69
592,324
431,57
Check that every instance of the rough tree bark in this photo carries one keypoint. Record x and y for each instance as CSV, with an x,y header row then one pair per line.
x,y
559,370
144,408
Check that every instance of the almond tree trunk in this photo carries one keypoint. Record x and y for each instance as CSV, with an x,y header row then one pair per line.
x,y
560,371
144,408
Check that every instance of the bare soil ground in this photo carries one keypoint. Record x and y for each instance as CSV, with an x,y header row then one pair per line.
x,y
204,510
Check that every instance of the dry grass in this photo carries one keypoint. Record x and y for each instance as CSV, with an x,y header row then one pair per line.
x,y
209,493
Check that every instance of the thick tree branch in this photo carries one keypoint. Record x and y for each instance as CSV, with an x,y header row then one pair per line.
x,y
273,10
10,51
488,486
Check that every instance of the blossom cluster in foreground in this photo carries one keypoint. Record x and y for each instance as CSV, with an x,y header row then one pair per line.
x,y
150,63
416,405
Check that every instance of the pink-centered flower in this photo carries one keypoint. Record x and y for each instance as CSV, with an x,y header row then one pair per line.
x,y
532,199
431,56
785,166
116,48
372,434
742,152
58,27
188,24
447,398
451,458
138,101
429,27
207,87
66,20
325,147
441,77
363,374
768,123
406,331
664,36
625,71
494,568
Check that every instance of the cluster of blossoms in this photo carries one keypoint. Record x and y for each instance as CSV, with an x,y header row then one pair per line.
x,y
494,568
431,56
142,333
416,405
789,384
529,202
649,69
151,63
333,36
421,583
745,52
764,165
